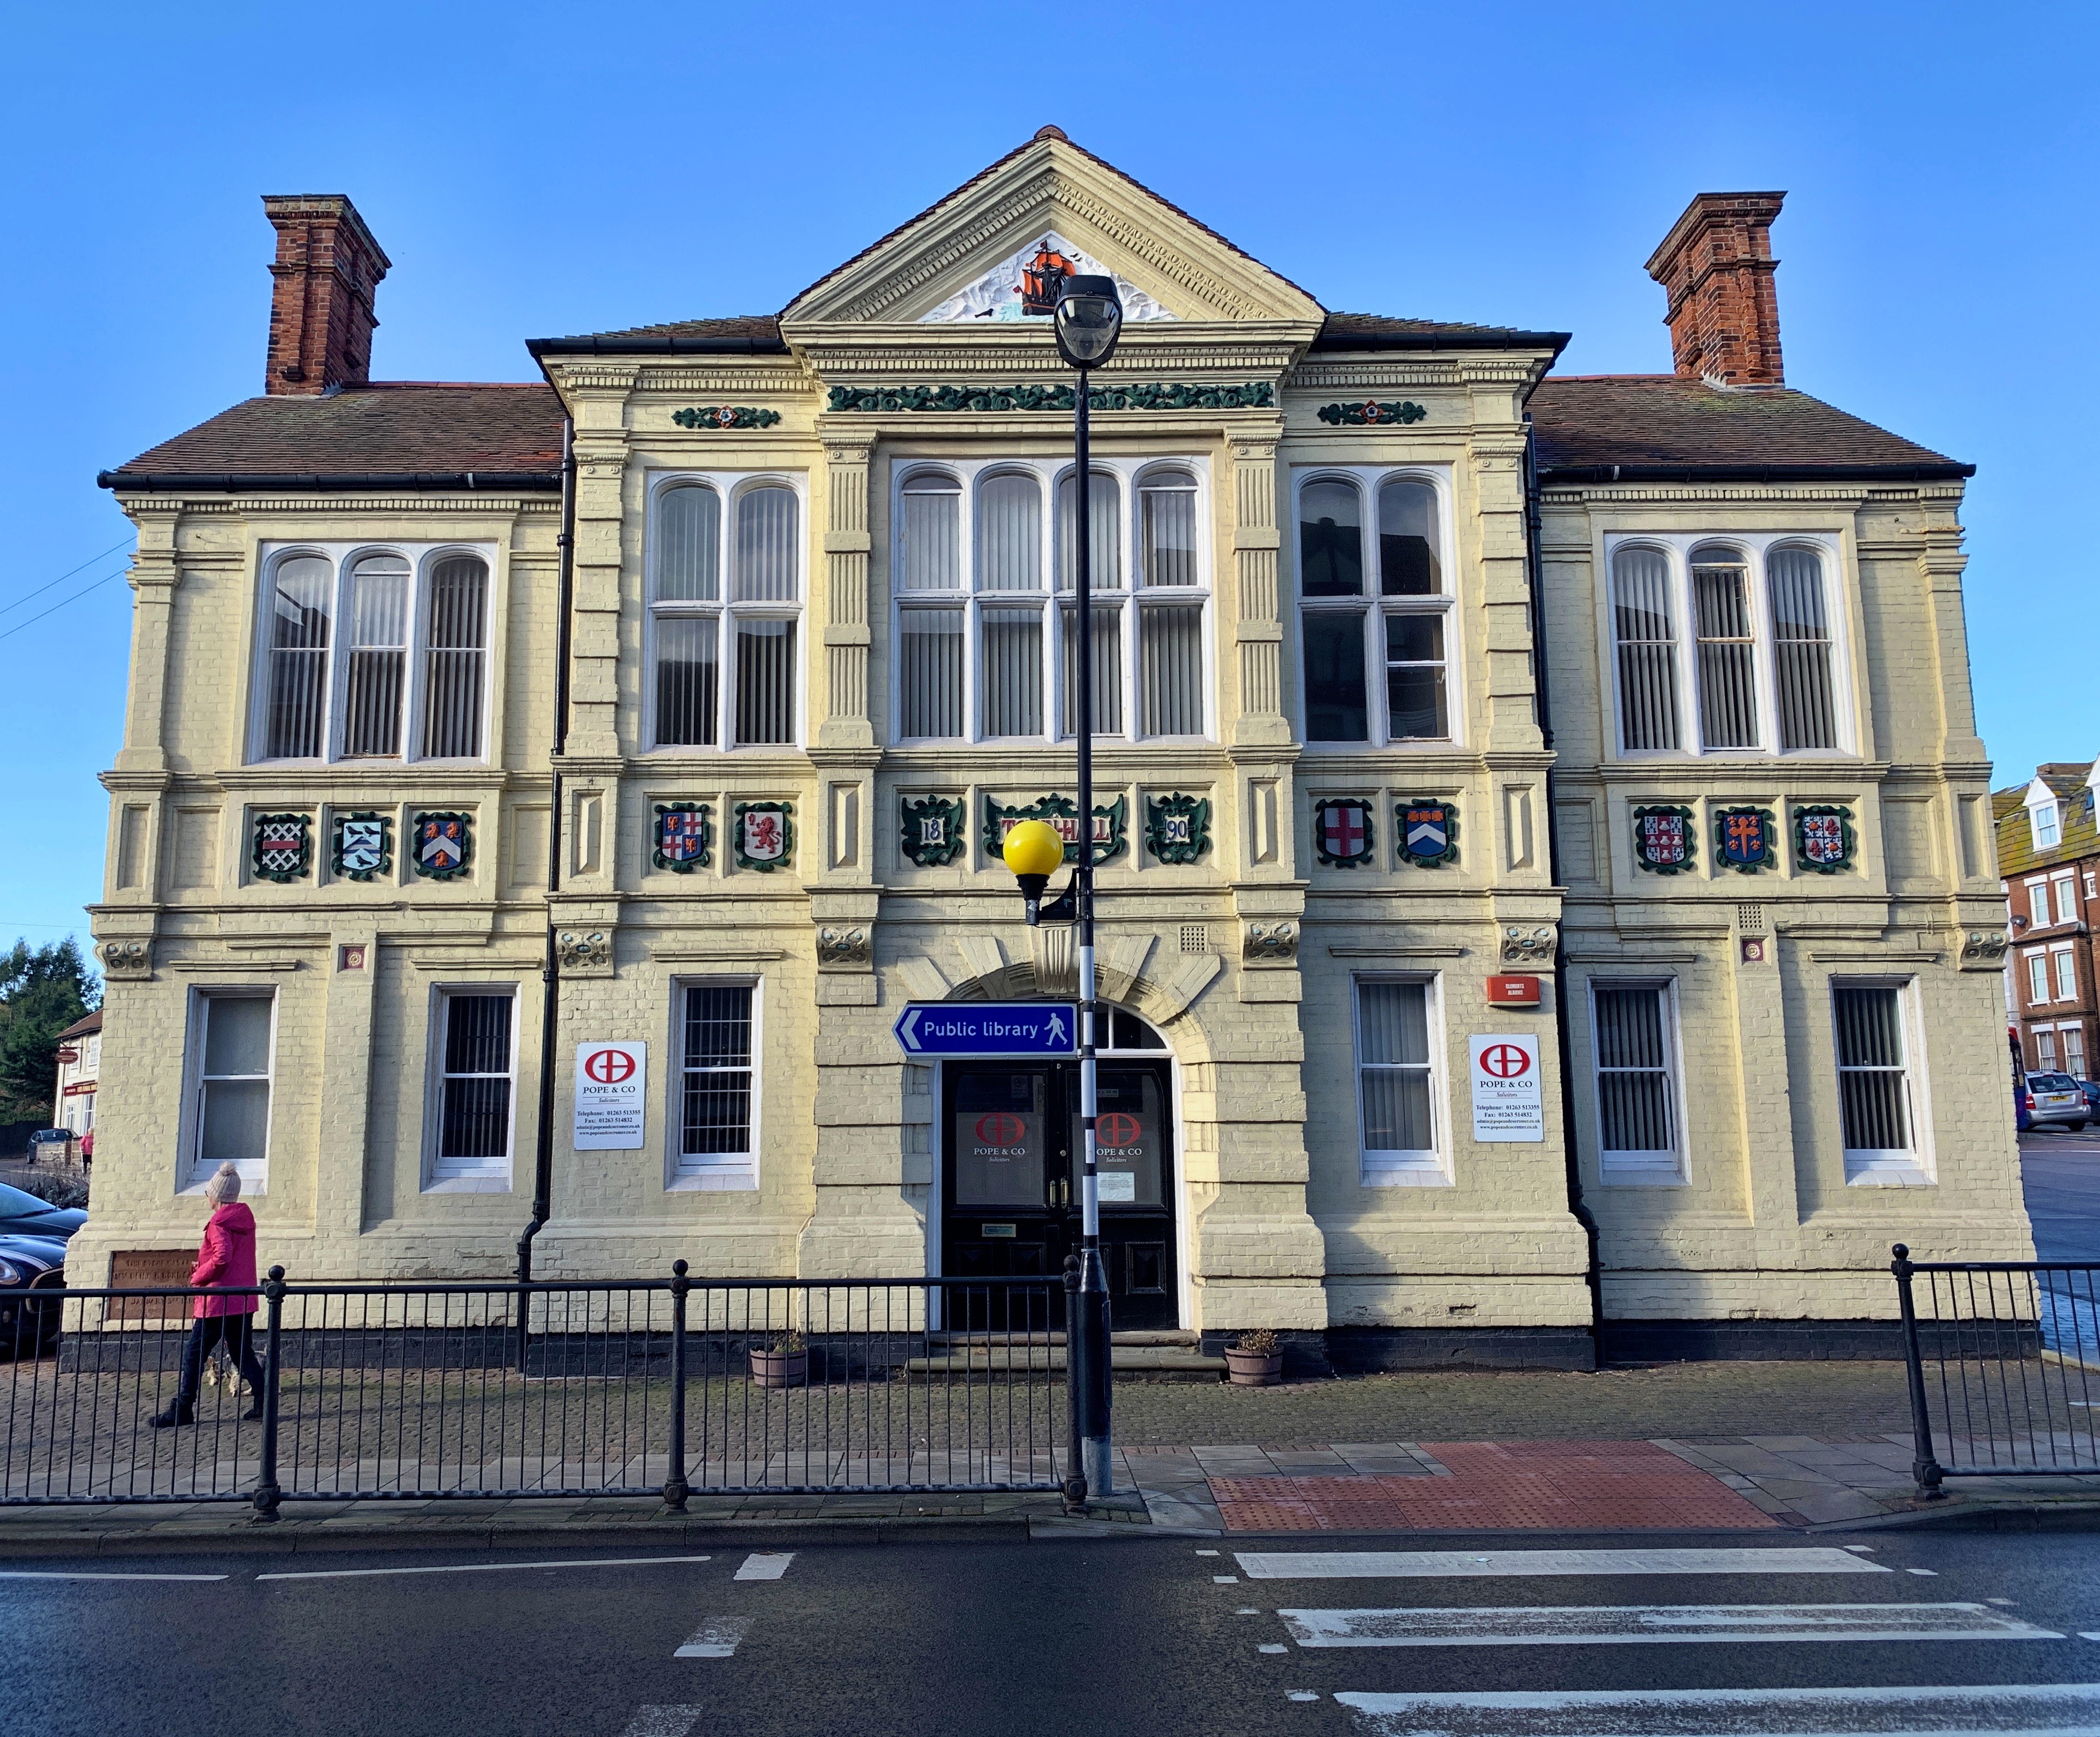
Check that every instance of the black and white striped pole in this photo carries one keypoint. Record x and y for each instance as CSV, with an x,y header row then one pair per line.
x,y
1087,322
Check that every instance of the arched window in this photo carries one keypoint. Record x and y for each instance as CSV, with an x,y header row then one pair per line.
x,y
765,519
688,544
930,533
1727,648
1644,626
457,648
1407,539
1801,650
1330,540
766,535
296,724
378,656
1104,548
1010,532
1166,525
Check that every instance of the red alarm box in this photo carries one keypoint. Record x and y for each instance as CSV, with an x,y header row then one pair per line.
x,y
1513,992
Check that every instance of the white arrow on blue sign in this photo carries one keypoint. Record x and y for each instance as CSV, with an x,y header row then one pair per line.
x,y
989,1028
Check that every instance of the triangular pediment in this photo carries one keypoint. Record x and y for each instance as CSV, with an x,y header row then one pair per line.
x,y
982,255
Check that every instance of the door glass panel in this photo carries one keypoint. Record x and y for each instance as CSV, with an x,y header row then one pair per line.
x,y
999,1138
1127,1137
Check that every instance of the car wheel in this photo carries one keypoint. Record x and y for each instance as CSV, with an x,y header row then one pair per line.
x,y
2074,1127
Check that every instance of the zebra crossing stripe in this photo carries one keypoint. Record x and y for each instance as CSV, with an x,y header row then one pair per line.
x,y
663,1722
715,1639
2053,1708
758,1567
1336,1565
1581,1625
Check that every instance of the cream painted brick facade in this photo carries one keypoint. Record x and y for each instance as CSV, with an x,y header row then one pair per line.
x,y
1276,1226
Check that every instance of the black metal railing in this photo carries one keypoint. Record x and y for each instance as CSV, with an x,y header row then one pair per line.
x,y
2003,1365
678,1387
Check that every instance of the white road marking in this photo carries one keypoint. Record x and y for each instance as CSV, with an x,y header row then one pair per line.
x,y
1583,1625
1225,1579
478,1567
1246,1609
715,1639
1271,1647
26,1574
1933,1573
1341,1565
1300,1695
2089,1634
1207,1553
663,1722
2056,1707
764,1567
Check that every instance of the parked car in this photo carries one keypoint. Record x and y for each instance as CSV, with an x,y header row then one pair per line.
x,y
2055,1101
2091,1088
31,1292
23,1214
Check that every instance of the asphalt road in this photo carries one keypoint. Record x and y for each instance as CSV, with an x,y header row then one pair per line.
x,y
2061,1176
1159,1635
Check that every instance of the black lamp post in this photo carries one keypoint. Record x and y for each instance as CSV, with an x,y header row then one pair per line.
x,y
1089,321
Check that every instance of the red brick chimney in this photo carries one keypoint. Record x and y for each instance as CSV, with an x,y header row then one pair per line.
x,y
1716,265
327,270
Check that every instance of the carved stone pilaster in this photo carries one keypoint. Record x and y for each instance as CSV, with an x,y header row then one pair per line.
x,y
1259,628
847,546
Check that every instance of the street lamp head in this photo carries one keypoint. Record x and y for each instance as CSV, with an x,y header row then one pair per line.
x,y
1033,851
1088,320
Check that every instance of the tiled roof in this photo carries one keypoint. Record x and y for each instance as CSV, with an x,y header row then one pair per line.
x,y
83,1028
1650,426
748,334
2015,837
396,433
1385,331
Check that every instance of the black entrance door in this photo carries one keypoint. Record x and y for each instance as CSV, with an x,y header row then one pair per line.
x,y
1010,1178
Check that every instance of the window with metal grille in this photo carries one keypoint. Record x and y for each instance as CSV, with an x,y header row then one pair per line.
x,y
1874,1084
1396,1085
1637,1134
1373,617
986,624
725,610
405,676
715,1148
475,1074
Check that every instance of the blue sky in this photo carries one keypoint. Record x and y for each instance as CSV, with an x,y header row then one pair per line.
x,y
534,169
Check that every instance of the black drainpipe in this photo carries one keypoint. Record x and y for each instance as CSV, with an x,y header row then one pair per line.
x,y
550,981
1542,690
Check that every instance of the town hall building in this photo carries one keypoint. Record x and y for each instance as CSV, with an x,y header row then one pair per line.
x,y
1547,892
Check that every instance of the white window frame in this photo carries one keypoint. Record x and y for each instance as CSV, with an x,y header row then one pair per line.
x,y
1368,479
422,559
2038,911
2062,965
720,1172
2065,886
1866,1167
1753,547
1664,1169
192,1170
2046,816
447,1176
2045,1039
1131,598
2073,1030
2037,964
1404,1169
725,611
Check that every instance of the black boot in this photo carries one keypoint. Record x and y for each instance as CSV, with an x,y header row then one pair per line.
x,y
254,1411
175,1415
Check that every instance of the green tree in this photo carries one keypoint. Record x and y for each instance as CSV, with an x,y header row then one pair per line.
x,y
42,991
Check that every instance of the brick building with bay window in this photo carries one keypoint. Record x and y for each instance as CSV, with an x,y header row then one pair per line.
x,y
2048,857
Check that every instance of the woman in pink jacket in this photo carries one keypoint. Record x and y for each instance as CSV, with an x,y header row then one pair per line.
x,y
226,1258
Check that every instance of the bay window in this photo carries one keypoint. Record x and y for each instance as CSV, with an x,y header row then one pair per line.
x,y
724,611
1725,647
373,654
1375,618
984,568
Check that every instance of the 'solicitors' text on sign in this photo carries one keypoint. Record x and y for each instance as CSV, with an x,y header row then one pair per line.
x,y
612,1096
1507,1102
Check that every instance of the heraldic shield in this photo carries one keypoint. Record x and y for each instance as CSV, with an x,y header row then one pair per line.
x,y
1663,840
281,847
444,846
1428,832
1743,836
363,845
681,836
1823,839
764,834
1342,831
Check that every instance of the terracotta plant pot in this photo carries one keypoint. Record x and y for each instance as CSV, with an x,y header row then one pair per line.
x,y
780,1368
1250,1369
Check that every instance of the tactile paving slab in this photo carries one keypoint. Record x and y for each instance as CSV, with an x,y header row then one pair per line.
x,y
1569,1486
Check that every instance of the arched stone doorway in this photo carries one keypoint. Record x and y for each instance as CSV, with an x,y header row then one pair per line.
x,y
1008,1139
